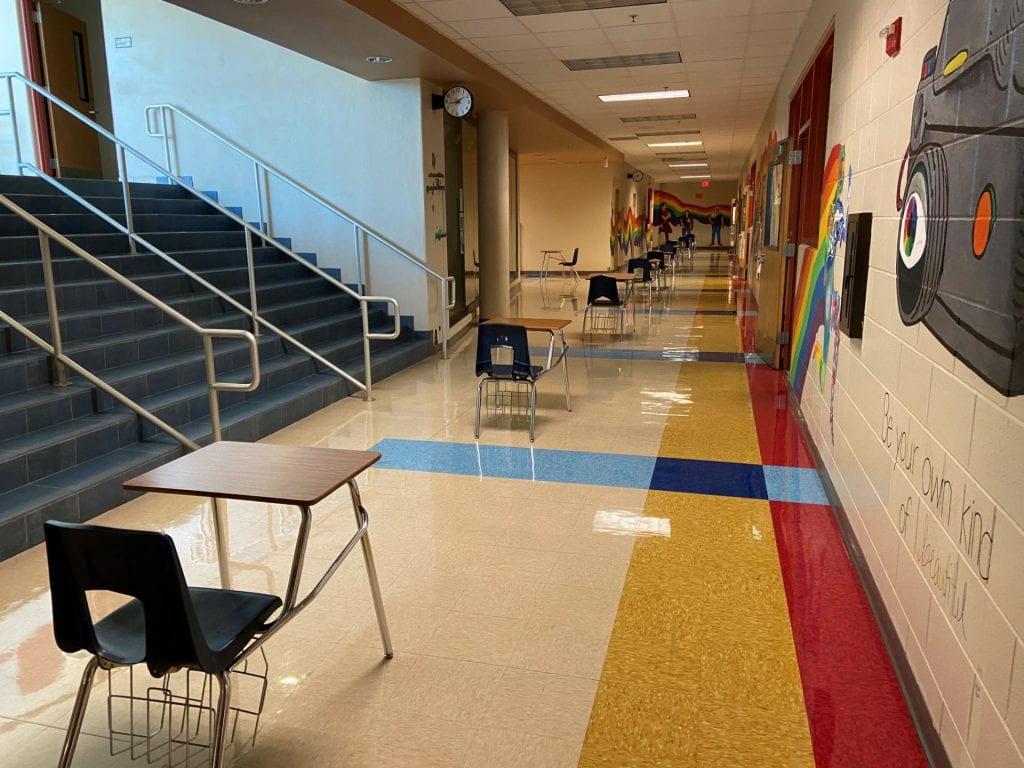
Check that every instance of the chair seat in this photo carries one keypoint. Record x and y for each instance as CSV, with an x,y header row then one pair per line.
x,y
535,371
227,619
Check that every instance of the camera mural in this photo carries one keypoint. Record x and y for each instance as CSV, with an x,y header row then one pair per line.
x,y
960,197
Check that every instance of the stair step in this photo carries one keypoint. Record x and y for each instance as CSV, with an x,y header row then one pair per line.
x,y
31,457
91,187
75,495
41,204
24,412
12,225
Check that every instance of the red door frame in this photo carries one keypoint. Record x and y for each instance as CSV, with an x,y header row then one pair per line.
x,y
32,55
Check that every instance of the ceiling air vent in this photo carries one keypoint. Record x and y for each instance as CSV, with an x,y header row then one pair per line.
x,y
657,118
535,7
618,62
647,134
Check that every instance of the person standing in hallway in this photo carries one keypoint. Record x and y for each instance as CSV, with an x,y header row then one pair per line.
x,y
666,222
717,220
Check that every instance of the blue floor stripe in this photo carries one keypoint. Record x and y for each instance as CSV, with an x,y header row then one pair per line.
x,y
666,355
620,470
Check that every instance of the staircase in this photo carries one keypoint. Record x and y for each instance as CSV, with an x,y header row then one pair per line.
x,y
65,451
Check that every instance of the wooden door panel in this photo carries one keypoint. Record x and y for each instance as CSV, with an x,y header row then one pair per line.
x,y
65,49
770,271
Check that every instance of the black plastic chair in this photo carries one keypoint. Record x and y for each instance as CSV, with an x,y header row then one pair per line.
x,y
503,354
603,294
167,625
657,259
570,265
638,263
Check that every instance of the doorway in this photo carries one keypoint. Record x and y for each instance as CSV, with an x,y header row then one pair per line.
x,y
460,164
789,195
66,55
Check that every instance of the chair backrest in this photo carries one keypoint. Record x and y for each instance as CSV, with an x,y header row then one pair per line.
x,y
657,256
575,258
139,564
603,291
640,263
493,340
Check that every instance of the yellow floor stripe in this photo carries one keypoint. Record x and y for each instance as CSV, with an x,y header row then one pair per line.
x,y
701,669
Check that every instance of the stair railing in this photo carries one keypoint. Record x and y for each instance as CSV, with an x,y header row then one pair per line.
x,y
62,361
123,149
157,123
257,319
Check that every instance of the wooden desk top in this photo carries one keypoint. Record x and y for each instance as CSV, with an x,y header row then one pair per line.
x,y
549,324
279,474
620,276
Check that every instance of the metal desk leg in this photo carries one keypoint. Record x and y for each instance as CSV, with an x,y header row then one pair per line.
x,y
551,351
78,713
565,365
371,569
220,532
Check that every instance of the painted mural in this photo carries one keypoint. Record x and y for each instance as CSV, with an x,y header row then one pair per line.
x,y
960,251
627,233
816,311
677,208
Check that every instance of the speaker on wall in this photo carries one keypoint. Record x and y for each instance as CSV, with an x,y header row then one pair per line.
x,y
855,275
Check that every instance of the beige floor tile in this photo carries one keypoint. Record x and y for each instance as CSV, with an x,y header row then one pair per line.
x,y
543,704
473,637
496,748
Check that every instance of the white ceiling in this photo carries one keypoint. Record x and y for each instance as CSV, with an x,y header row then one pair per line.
x,y
733,53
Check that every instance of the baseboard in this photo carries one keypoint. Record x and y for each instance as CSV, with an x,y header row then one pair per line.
x,y
927,731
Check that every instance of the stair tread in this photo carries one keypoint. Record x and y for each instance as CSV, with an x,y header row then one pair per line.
x,y
39,395
22,500
57,433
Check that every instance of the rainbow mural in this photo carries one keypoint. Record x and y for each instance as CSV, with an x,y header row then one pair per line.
x,y
677,207
817,302
626,230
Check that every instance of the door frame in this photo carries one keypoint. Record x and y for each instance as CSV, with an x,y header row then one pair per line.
x,y
32,56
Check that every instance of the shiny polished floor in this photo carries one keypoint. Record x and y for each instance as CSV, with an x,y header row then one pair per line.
x,y
657,581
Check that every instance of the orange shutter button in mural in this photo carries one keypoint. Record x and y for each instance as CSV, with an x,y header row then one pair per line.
x,y
984,220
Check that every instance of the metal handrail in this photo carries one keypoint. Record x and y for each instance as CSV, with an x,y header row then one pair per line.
x,y
62,360
123,149
158,130
255,317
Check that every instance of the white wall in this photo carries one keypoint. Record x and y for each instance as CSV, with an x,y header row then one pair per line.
x,y
11,61
565,206
364,146
911,421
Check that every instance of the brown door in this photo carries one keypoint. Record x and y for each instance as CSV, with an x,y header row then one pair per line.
x,y
773,255
65,49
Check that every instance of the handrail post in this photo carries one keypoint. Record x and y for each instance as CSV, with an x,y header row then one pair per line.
x,y
445,319
358,237
211,385
122,170
164,114
14,125
367,360
60,372
250,264
264,226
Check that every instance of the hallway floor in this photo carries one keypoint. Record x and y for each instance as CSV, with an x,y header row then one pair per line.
x,y
657,581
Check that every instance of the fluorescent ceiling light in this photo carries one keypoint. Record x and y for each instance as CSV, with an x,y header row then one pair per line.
x,y
697,176
688,143
646,96
687,165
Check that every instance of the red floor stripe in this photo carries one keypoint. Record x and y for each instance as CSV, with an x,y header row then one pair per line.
x,y
855,708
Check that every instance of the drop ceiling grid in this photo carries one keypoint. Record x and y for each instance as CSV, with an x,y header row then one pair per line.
x,y
733,53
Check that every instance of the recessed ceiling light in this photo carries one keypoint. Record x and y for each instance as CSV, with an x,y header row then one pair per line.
x,y
379,59
689,143
646,95
687,165
252,2
697,176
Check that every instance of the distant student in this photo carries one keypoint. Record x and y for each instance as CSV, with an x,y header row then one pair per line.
x,y
717,220
666,222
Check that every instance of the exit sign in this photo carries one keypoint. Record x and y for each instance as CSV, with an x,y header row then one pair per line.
x,y
705,183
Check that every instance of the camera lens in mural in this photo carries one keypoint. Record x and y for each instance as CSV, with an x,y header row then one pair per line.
x,y
920,247
984,221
